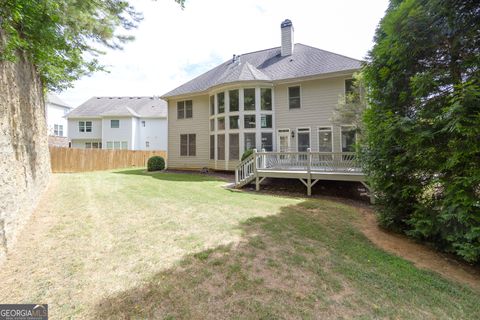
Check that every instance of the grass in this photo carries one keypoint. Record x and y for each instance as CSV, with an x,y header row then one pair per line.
x,y
178,246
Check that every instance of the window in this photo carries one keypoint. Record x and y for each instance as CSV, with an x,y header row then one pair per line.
x,y
85,126
266,121
249,121
221,102
184,109
248,99
266,98
115,124
294,97
212,147
188,145
212,124
212,105
143,123
233,122
147,144
267,141
348,139
96,145
233,98
249,141
58,130
116,145
221,123
303,139
351,91
88,145
234,146
325,139
109,144
221,147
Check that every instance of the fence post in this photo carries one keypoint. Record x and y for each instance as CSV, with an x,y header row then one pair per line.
x,y
309,172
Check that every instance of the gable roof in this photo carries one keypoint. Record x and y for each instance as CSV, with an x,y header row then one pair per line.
x,y
52,98
269,65
148,107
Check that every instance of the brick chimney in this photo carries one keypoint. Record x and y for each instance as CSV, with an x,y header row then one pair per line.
x,y
287,38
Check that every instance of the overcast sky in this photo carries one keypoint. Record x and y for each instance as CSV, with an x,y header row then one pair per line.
x,y
173,45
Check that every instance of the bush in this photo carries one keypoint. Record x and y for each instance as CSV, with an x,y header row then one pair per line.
x,y
155,163
247,154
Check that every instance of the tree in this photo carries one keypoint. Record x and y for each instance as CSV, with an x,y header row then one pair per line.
x,y
422,139
62,38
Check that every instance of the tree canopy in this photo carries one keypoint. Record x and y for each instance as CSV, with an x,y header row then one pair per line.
x,y
422,141
63,38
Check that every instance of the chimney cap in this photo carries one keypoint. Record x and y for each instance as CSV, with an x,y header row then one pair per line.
x,y
286,23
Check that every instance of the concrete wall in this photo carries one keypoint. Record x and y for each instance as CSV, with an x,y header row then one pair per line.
x,y
24,155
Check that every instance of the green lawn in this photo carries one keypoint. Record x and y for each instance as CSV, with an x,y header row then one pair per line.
x,y
179,246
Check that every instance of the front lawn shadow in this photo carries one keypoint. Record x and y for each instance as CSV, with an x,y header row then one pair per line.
x,y
308,261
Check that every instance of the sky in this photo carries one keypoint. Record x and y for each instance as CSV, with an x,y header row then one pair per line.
x,y
173,46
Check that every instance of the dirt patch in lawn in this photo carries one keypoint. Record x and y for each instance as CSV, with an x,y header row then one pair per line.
x,y
421,255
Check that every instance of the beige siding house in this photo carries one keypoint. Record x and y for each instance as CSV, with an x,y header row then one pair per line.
x,y
278,99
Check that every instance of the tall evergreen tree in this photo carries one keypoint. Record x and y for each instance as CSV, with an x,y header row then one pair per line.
x,y
422,141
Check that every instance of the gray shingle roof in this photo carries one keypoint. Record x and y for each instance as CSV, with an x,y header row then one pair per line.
x,y
52,98
121,106
269,65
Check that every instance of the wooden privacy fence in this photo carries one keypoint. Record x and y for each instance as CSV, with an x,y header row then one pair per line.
x,y
81,160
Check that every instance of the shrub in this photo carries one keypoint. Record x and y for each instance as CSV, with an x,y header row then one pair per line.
x,y
247,154
155,163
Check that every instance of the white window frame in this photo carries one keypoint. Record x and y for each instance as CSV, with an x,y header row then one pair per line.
x,y
301,97
319,129
304,129
111,123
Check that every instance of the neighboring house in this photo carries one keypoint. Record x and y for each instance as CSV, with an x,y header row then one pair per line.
x,y
56,122
133,123
279,99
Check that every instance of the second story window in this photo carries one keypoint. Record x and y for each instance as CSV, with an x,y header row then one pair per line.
x,y
184,109
85,126
294,97
249,99
234,101
58,130
212,105
221,102
114,124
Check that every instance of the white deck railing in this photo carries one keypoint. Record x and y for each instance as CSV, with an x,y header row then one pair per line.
x,y
335,162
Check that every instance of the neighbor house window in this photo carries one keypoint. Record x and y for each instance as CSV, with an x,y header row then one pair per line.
x,y
212,105
212,147
115,124
184,109
116,145
234,146
221,123
266,120
249,99
294,97
233,122
88,145
249,121
58,130
147,144
143,123
267,141
249,141
266,98
188,145
221,102
221,147
93,145
109,144
325,139
234,100
85,126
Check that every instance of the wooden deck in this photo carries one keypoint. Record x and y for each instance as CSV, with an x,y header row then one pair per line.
x,y
309,167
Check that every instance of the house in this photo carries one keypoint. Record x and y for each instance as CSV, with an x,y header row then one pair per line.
x,y
57,125
278,99
133,123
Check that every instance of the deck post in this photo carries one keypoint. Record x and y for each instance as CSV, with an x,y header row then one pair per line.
x,y
309,172
257,181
